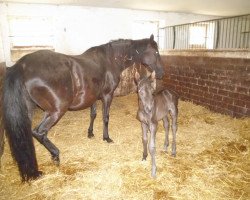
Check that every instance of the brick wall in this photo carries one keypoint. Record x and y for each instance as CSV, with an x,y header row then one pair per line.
x,y
220,83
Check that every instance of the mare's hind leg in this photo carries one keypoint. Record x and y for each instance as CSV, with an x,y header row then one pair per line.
x,y
106,101
40,133
144,140
92,119
166,126
174,115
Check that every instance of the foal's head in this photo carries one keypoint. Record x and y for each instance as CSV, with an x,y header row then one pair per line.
x,y
146,87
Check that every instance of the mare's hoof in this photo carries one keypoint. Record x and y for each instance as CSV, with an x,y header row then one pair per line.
x,y
173,154
108,140
56,160
33,176
90,135
37,175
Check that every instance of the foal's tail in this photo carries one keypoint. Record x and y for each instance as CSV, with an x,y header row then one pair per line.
x,y
2,74
18,124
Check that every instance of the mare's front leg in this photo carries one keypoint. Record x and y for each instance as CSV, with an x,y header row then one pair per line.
x,y
144,140
92,119
106,102
40,133
153,128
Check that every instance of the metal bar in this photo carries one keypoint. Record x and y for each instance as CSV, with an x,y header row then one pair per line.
x,y
228,32
208,20
218,34
173,37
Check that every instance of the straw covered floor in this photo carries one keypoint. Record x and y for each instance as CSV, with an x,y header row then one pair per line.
x,y
212,159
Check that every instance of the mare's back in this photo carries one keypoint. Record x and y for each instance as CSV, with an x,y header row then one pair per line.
x,y
46,67
45,61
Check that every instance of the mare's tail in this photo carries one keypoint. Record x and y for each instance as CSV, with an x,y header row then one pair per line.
x,y
18,124
2,74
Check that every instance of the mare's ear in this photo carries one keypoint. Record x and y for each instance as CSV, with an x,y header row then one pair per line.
x,y
153,79
137,77
151,38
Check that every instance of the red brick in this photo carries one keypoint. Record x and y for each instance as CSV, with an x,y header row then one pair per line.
x,y
217,97
193,80
201,82
244,97
213,90
228,100
234,95
240,103
223,92
184,89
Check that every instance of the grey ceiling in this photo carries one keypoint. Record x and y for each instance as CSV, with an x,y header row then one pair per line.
x,y
206,7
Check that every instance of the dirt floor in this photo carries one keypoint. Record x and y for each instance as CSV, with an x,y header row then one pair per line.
x,y
212,159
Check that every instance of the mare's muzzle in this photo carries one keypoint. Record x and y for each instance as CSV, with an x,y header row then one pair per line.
x,y
159,73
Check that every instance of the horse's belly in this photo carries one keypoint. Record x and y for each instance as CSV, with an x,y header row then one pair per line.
x,y
82,100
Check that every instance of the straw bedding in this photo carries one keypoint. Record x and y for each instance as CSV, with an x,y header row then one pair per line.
x,y
212,159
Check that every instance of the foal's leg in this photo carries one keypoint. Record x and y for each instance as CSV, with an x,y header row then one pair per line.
x,y
174,129
166,126
92,119
152,128
40,133
144,140
106,102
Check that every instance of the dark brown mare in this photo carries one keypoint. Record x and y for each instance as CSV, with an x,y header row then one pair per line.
x,y
57,83
153,108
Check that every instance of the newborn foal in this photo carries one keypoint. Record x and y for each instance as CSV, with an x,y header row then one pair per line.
x,y
153,108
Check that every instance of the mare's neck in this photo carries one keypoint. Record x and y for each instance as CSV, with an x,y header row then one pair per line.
x,y
125,54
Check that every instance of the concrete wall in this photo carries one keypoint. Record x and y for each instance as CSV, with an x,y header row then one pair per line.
x,y
220,82
77,28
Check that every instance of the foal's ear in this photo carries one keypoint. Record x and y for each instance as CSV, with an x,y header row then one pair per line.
x,y
137,77
151,37
153,79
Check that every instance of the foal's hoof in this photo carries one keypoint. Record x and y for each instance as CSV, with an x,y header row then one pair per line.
x,y
173,154
153,175
56,160
108,140
144,157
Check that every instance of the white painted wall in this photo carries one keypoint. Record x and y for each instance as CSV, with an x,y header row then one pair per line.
x,y
77,28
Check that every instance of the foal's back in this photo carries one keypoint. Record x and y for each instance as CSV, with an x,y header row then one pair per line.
x,y
165,101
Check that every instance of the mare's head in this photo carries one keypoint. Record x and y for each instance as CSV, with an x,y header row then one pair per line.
x,y
150,57
146,87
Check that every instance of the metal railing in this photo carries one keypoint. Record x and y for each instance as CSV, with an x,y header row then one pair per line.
x,y
223,33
